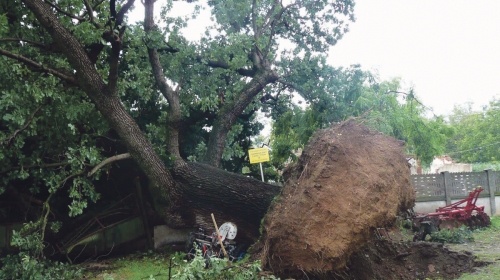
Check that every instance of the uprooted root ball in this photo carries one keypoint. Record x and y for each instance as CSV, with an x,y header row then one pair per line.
x,y
348,181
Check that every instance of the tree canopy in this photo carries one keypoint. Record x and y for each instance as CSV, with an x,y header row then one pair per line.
x,y
475,138
382,105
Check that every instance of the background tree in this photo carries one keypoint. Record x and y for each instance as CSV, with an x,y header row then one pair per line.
x,y
476,133
384,106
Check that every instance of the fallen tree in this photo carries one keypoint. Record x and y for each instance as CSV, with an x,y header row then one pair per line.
x,y
59,60
86,56
348,181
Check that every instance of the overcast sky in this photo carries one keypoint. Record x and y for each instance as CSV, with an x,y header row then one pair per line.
x,y
448,50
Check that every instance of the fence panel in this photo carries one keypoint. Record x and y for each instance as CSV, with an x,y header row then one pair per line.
x,y
496,180
464,182
428,185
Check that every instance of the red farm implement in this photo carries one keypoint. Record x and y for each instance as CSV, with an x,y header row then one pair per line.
x,y
463,212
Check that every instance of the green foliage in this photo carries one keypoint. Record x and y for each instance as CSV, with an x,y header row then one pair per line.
x,y
401,115
457,235
290,134
476,134
30,263
383,105
23,266
165,266
218,269
54,134
481,166
69,129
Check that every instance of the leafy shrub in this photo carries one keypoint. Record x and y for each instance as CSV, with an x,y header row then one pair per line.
x,y
30,263
456,235
219,269
22,266
481,166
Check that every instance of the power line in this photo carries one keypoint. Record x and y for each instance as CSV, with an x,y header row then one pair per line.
x,y
477,148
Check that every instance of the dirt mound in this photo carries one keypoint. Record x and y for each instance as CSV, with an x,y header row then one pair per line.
x,y
383,259
349,180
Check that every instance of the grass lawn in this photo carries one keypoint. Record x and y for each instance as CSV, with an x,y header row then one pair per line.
x,y
486,247
134,267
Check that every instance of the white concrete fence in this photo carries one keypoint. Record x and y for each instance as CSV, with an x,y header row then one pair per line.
x,y
437,190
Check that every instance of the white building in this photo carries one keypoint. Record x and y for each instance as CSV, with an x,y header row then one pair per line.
x,y
446,163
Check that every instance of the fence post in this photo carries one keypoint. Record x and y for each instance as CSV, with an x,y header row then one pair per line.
x,y
447,186
491,189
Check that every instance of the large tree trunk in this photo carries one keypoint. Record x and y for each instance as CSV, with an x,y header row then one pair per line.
x,y
231,197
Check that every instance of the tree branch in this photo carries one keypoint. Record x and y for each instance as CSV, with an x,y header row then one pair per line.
x,y
90,11
113,64
116,44
59,164
274,23
122,12
172,96
230,112
267,18
34,43
212,63
225,65
108,161
154,59
93,8
53,5
410,95
8,140
42,68
256,32
162,184
291,86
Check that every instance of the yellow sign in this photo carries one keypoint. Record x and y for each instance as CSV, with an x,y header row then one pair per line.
x,y
258,155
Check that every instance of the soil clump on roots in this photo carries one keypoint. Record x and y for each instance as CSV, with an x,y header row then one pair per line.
x,y
348,181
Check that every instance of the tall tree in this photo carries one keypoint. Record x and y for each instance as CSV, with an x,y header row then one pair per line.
x,y
476,137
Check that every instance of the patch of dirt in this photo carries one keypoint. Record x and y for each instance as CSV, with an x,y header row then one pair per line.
x,y
384,259
348,181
